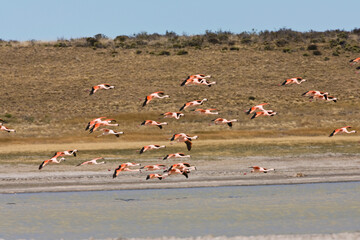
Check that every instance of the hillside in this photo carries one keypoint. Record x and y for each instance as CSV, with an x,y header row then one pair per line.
x,y
44,86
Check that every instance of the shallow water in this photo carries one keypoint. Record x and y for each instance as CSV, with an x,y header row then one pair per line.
x,y
217,211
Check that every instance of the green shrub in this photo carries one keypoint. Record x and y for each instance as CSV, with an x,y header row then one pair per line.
x,y
336,54
138,52
312,47
268,47
177,46
305,54
326,59
121,38
317,53
287,50
196,41
246,41
60,44
164,53
8,115
251,98
234,49
181,52
224,49
91,41
281,43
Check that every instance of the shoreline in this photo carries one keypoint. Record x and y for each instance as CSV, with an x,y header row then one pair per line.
x,y
229,171
74,185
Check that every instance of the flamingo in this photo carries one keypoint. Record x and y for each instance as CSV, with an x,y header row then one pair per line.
x,y
66,153
176,155
257,107
261,169
107,131
182,137
175,171
154,95
93,122
297,80
51,160
104,86
264,113
153,123
324,97
354,61
175,115
154,167
340,130
197,81
190,78
106,122
154,175
92,162
224,121
358,68
193,103
314,93
206,111
124,168
182,166
151,147
3,128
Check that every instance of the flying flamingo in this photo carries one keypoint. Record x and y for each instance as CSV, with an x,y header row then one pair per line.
x,y
193,103
107,131
206,111
66,153
354,61
182,166
3,128
261,169
154,95
358,68
151,147
314,93
175,171
93,122
182,137
324,97
190,78
257,107
106,122
176,155
51,160
340,130
175,115
224,121
153,123
124,168
197,81
154,167
297,80
104,86
264,113
154,175
92,162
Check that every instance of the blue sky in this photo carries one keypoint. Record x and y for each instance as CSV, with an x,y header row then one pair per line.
x,y
53,19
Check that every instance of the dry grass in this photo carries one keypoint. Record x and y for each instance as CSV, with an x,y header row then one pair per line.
x,y
44,96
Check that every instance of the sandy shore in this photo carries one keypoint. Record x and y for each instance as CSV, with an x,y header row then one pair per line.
x,y
23,178
342,236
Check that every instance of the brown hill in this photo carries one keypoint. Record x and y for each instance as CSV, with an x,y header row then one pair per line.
x,y
44,87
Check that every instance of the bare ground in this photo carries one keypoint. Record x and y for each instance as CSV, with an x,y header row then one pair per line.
x,y
226,171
